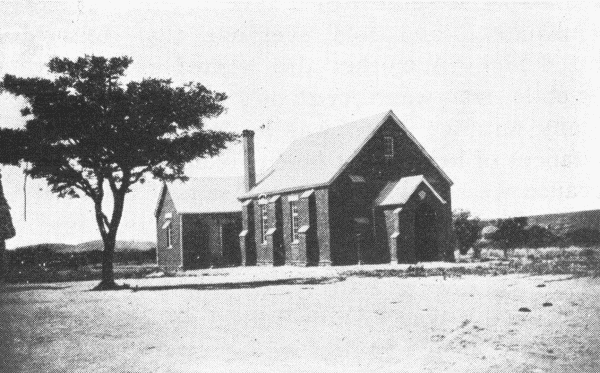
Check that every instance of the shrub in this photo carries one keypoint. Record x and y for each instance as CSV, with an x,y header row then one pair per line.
x,y
588,253
466,230
41,256
538,236
583,237
136,256
33,256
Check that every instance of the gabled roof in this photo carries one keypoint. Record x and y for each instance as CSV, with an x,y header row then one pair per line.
x,y
316,160
399,192
204,195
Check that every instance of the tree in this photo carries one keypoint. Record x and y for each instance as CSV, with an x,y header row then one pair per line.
x,y
511,233
538,236
87,129
466,230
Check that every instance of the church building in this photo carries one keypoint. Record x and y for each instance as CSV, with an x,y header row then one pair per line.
x,y
363,192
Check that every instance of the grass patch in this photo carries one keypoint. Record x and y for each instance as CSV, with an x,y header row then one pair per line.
x,y
36,274
573,261
578,262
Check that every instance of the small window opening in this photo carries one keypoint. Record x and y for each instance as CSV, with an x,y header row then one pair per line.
x,y
169,235
388,147
294,220
264,222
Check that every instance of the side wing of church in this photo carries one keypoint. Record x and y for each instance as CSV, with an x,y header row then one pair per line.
x,y
198,222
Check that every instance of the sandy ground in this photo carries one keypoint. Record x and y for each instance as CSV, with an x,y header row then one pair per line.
x,y
466,324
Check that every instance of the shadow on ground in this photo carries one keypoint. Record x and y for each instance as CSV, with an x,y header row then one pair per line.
x,y
242,285
21,288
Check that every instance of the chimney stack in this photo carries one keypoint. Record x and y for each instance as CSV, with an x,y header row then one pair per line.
x,y
249,166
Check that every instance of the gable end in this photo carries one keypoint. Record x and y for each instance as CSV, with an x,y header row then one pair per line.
x,y
408,134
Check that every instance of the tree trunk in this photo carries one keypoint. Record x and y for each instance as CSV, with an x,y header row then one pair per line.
x,y
108,275
476,252
110,238
449,254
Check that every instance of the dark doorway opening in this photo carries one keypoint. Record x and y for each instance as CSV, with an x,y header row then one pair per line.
x,y
425,234
231,244
199,250
278,253
361,240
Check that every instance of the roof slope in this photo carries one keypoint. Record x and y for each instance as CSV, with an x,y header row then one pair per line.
x,y
206,195
316,160
399,192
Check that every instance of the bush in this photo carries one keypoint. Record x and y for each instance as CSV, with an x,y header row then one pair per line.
x,y
583,237
43,257
33,256
466,230
86,273
538,236
136,256
588,253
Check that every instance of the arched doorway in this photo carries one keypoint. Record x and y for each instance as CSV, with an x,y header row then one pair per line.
x,y
425,233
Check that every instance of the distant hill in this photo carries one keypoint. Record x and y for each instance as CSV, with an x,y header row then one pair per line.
x,y
120,246
56,247
563,222
93,245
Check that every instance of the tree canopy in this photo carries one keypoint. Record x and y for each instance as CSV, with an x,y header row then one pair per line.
x,y
86,128
466,229
511,232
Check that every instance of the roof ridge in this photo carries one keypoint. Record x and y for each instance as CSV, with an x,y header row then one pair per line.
x,y
346,124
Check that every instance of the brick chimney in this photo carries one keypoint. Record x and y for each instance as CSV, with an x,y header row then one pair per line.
x,y
249,166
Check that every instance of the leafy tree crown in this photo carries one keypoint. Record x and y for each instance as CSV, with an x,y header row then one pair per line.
x,y
87,126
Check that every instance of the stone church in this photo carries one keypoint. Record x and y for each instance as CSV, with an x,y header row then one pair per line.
x,y
363,192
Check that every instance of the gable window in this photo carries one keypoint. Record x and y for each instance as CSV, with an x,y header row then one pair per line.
x,y
264,222
388,147
294,220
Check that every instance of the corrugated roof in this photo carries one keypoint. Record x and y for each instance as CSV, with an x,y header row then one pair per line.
x,y
206,195
316,160
399,192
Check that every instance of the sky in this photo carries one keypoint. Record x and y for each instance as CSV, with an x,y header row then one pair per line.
x,y
504,96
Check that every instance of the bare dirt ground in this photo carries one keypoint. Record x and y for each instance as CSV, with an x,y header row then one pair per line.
x,y
304,320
